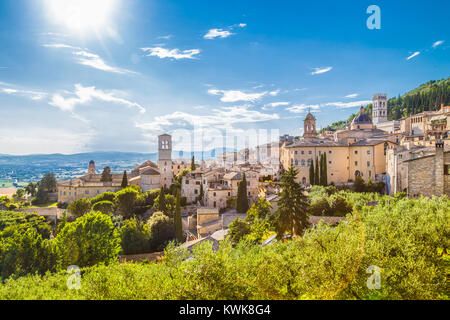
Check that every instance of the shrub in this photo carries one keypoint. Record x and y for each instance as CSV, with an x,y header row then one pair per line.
x,y
88,241
79,207
162,230
135,237
126,201
106,207
105,196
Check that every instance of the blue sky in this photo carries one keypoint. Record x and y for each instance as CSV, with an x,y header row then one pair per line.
x,y
110,75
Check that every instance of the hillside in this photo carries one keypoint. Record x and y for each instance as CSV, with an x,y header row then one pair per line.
x,y
428,96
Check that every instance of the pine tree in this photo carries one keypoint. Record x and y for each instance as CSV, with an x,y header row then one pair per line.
x,y
177,219
317,172
311,173
106,175
162,201
292,212
242,199
193,166
124,180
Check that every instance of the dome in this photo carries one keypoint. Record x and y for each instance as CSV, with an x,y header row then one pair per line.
x,y
362,118
92,162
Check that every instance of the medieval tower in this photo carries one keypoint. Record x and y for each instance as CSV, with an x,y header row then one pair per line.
x,y
379,109
165,159
309,127
91,169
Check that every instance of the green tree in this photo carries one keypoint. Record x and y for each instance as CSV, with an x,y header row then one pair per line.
x,y
48,182
31,189
238,230
79,207
106,175
242,197
88,241
177,219
105,196
126,201
292,212
325,170
193,166
359,185
124,180
312,175
162,230
317,172
106,207
161,203
135,237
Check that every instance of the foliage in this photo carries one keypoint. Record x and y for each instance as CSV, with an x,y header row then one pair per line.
x,y
408,240
242,197
126,201
124,183
193,166
106,207
88,241
238,230
105,196
312,175
135,237
25,220
79,207
292,215
162,230
177,219
106,175
167,205
48,183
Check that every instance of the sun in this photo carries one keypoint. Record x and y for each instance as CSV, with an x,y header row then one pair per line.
x,y
81,16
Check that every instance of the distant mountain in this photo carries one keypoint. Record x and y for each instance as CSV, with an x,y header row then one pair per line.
x,y
427,97
32,167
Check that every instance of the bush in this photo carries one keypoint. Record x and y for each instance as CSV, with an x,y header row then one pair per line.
x,y
24,221
105,196
126,201
79,207
162,230
106,207
88,241
62,205
135,237
339,206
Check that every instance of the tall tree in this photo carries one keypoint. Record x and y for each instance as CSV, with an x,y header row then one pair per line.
x,y
31,189
324,170
106,175
177,219
193,166
124,180
311,174
162,201
242,198
48,182
317,172
292,212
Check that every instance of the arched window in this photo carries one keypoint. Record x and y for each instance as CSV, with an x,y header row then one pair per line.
x,y
357,173
304,181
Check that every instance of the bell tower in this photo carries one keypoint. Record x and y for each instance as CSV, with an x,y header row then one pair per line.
x,y
165,159
91,169
309,126
379,109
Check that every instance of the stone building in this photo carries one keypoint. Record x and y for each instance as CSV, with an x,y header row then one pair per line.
x,y
379,109
419,170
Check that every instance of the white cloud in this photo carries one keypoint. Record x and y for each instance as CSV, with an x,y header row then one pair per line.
x,y
276,104
274,93
84,57
437,43
169,36
351,96
174,53
413,55
217,33
223,118
242,25
93,60
303,108
237,95
321,70
33,95
85,95
344,105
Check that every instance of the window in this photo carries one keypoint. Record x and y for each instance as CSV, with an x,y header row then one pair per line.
x,y
214,194
329,162
303,163
296,162
329,152
356,151
195,191
303,152
296,152
368,151
310,152
447,169
229,194
356,163
368,163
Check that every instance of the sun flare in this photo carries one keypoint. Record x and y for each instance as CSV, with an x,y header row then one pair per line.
x,y
81,15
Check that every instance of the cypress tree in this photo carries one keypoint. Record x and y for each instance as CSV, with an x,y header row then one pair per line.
x,y
242,199
311,173
162,201
124,180
317,172
325,170
177,219
106,175
193,167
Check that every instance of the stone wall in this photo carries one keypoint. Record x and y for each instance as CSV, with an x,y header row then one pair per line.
x,y
421,177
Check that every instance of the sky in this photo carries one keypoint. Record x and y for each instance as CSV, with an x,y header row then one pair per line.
x,y
111,75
